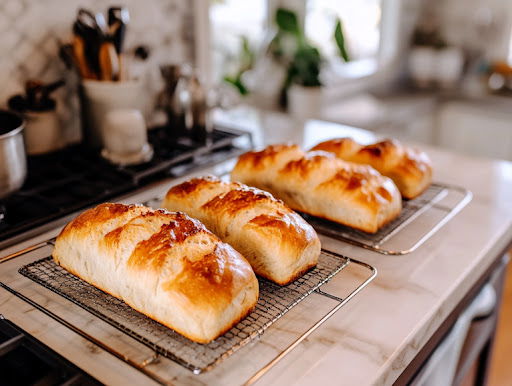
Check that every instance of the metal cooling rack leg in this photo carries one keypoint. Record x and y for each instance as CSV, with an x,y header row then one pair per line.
x,y
27,250
274,361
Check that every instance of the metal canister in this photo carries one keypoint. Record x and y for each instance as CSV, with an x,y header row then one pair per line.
x,y
187,107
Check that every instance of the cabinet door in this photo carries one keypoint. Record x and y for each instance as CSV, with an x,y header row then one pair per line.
x,y
475,130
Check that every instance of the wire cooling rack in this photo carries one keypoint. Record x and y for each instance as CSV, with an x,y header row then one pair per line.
x,y
419,220
273,303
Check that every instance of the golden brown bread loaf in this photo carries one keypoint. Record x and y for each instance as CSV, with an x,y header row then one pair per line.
x,y
319,184
276,241
165,265
409,168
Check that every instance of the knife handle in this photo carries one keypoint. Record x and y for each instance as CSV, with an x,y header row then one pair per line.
x,y
79,57
109,62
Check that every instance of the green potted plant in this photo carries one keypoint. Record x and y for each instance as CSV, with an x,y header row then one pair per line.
x,y
303,85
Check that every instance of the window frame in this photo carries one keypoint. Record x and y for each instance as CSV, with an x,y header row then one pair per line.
x,y
389,42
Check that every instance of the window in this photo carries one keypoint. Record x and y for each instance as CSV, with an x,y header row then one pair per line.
x,y
363,22
230,21
361,25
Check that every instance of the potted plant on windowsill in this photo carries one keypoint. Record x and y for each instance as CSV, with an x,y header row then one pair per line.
x,y
304,91
303,85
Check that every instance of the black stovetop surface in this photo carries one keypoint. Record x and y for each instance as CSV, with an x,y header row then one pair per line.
x,y
75,178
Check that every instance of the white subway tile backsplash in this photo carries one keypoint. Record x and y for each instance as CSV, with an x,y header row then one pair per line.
x,y
9,40
32,30
4,23
482,27
13,8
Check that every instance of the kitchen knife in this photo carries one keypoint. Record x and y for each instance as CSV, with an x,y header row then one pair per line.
x,y
87,28
80,58
122,16
109,61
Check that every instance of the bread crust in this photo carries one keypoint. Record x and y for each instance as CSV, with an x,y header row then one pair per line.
x,y
165,265
319,184
409,168
278,243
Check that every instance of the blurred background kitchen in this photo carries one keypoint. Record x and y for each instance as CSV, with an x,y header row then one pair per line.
x,y
429,71
437,72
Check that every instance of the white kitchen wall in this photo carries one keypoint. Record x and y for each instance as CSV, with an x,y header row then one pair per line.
x,y
31,30
480,26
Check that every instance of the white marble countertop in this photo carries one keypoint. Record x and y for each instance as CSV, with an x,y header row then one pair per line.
x,y
373,338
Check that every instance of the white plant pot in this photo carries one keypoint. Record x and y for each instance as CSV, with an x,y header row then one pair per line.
x,y
304,102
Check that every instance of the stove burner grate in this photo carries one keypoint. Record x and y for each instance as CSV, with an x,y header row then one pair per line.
x,y
75,178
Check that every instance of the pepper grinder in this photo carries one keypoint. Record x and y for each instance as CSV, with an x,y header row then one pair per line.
x,y
171,74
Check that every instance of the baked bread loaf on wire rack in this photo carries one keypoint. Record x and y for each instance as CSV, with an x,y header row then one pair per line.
x,y
165,265
319,184
278,243
409,168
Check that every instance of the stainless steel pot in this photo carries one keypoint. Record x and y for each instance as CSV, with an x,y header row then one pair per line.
x,y
13,160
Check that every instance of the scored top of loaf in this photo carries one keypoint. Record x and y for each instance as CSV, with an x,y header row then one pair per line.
x,y
270,155
233,198
385,155
362,182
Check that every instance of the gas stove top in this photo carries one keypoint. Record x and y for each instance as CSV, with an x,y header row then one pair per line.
x,y
75,178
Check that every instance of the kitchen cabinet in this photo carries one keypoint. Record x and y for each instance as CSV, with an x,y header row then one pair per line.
x,y
474,126
404,117
479,129
461,349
